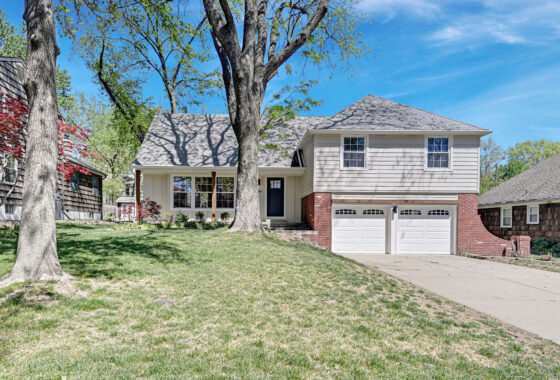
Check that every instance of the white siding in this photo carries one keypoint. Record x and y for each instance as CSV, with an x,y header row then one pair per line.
x,y
157,188
396,164
309,161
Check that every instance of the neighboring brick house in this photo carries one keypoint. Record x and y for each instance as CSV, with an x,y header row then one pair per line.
x,y
377,177
77,198
528,204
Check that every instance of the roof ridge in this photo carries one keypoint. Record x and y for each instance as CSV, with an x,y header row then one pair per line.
x,y
410,107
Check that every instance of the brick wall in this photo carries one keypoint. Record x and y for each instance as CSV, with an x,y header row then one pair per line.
x,y
548,227
316,211
472,236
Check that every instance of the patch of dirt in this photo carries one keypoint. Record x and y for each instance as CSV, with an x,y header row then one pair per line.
x,y
45,294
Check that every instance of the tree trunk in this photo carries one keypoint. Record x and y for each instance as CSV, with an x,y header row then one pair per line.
x,y
247,210
37,258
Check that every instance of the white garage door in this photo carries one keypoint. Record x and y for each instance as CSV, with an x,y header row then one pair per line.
x,y
424,230
358,229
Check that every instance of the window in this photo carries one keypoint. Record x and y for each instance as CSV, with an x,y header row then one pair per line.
x,y
10,172
410,212
75,182
505,218
438,213
203,192
345,211
532,214
275,184
95,186
373,212
437,156
9,209
354,152
224,192
182,192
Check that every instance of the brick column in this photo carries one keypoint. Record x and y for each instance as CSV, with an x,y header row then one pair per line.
x,y
316,210
522,244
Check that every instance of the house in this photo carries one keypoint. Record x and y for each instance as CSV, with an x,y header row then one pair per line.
x,y
77,198
528,204
377,177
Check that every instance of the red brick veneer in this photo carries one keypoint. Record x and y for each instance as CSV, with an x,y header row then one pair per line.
x,y
316,210
474,238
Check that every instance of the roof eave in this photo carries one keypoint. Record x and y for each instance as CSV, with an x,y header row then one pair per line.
x,y
518,202
482,132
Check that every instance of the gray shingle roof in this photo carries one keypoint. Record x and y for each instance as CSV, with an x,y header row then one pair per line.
x,y
541,182
11,76
378,114
208,140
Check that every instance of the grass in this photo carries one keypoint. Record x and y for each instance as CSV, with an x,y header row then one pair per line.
x,y
533,261
214,304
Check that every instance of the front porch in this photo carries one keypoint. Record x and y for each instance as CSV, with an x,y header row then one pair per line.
x,y
189,191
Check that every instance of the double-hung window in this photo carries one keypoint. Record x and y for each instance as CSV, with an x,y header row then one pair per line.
x,y
224,192
10,172
438,153
354,152
532,214
203,192
182,192
505,217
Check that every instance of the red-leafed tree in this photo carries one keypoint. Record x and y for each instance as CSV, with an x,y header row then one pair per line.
x,y
13,116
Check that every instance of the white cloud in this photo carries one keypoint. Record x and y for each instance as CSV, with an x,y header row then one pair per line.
x,y
500,21
388,9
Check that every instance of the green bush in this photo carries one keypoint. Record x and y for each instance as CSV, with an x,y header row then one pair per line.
x,y
110,214
543,246
181,218
224,216
168,220
200,215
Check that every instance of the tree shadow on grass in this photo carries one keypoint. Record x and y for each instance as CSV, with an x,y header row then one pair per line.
x,y
117,256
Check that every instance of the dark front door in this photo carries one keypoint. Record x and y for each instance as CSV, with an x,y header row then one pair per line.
x,y
275,197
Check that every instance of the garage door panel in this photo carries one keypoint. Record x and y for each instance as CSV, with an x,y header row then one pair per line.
x,y
359,233
425,232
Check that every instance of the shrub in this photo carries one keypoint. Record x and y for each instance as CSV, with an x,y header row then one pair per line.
x,y
150,209
182,218
110,214
200,215
542,246
224,216
107,219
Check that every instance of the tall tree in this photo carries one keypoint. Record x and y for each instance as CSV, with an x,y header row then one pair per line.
x,y
532,152
122,42
272,32
37,258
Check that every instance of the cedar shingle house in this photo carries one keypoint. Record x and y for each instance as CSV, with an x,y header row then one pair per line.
x,y
77,198
528,204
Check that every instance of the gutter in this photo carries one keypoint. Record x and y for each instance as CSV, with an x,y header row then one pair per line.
x,y
519,203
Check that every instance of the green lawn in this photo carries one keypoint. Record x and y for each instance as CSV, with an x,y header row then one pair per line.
x,y
193,303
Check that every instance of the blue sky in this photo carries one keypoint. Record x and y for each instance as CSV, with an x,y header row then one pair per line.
x,y
491,63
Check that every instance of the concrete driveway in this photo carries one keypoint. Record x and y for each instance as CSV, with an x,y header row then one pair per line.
x,y
523,297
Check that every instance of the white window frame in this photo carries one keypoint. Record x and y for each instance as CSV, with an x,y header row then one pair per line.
x,y
7,158
232,192
172,200
192,192
529,213
450,152
366,149
502,209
